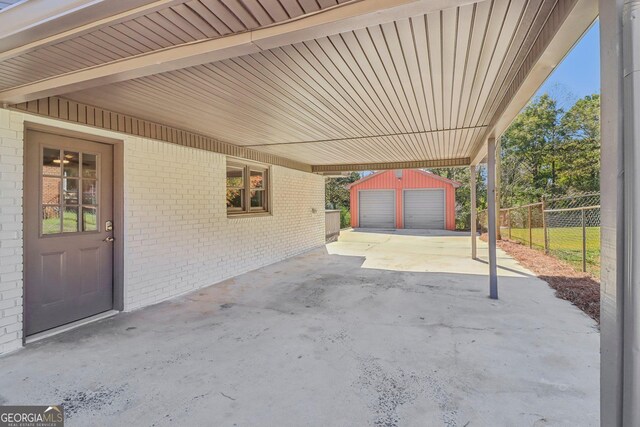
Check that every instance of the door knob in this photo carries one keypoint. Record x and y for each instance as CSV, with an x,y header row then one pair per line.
x,y
109,239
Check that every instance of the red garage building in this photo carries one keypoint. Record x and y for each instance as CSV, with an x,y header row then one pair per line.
x,y
407,198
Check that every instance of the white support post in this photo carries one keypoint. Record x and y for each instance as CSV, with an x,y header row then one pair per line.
x,y
474,210
631,148
620,213
498,172
491,213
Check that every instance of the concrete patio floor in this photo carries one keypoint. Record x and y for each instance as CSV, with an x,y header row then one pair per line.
x,y
379,328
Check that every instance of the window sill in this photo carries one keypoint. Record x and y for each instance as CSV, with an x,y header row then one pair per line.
x,y
249,215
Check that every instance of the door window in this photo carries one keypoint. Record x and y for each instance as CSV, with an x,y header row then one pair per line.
x,y
69,192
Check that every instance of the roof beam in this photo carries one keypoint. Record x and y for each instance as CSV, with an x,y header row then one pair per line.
x,y
568,22
33,24
366,137
341,18
442,163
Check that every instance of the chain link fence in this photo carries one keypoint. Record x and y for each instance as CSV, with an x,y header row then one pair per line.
x,y
573,229
567,228
524,224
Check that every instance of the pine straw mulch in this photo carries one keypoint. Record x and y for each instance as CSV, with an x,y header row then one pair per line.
x,y
581,289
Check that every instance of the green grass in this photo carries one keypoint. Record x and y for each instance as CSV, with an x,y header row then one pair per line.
x,y
564,243
69,224
569,238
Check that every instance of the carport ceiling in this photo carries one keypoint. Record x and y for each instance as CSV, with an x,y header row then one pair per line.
x,y
6,3
423,80
150,27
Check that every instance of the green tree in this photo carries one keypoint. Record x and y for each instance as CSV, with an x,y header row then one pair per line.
x,y
336,192
579,154
547,151
529,150
463,193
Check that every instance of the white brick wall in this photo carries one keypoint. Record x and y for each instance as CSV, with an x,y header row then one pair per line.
x,y
177,234
11,158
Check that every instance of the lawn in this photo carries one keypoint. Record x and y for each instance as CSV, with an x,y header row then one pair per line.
x,y
565,243
70,223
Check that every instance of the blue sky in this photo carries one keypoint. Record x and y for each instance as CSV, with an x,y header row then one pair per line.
x,y
578,74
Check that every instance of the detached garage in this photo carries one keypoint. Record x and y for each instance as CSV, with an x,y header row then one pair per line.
x,y
407,198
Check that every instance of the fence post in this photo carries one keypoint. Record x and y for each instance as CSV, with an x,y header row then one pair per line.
x,y
529,224
544,226
509,214
584,242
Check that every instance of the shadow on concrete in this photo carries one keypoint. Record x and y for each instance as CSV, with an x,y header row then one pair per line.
x,y
318,333
513,270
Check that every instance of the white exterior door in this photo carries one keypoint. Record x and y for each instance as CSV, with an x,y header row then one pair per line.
x,y
424,208
377,208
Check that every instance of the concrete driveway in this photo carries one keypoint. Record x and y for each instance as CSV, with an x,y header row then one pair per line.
x,y
384,329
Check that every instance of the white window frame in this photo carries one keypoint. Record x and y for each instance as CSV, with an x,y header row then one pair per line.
x,y
247,168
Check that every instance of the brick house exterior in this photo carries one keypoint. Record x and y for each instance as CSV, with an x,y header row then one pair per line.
x,y
178,236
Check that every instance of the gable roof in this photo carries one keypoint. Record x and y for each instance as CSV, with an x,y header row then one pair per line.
x,y
455,184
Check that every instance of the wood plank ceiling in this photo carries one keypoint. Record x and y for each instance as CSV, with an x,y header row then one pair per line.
x,y
422,88
183,22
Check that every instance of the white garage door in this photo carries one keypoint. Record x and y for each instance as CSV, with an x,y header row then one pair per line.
x,y
424,209
377,209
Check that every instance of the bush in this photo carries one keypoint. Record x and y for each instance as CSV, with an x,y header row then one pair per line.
x,y
345,217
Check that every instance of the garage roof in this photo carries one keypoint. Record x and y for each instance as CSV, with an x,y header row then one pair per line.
x,y
455,184
337,85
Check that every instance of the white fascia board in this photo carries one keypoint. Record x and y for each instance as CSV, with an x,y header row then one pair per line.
x,y
27,26
32,13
